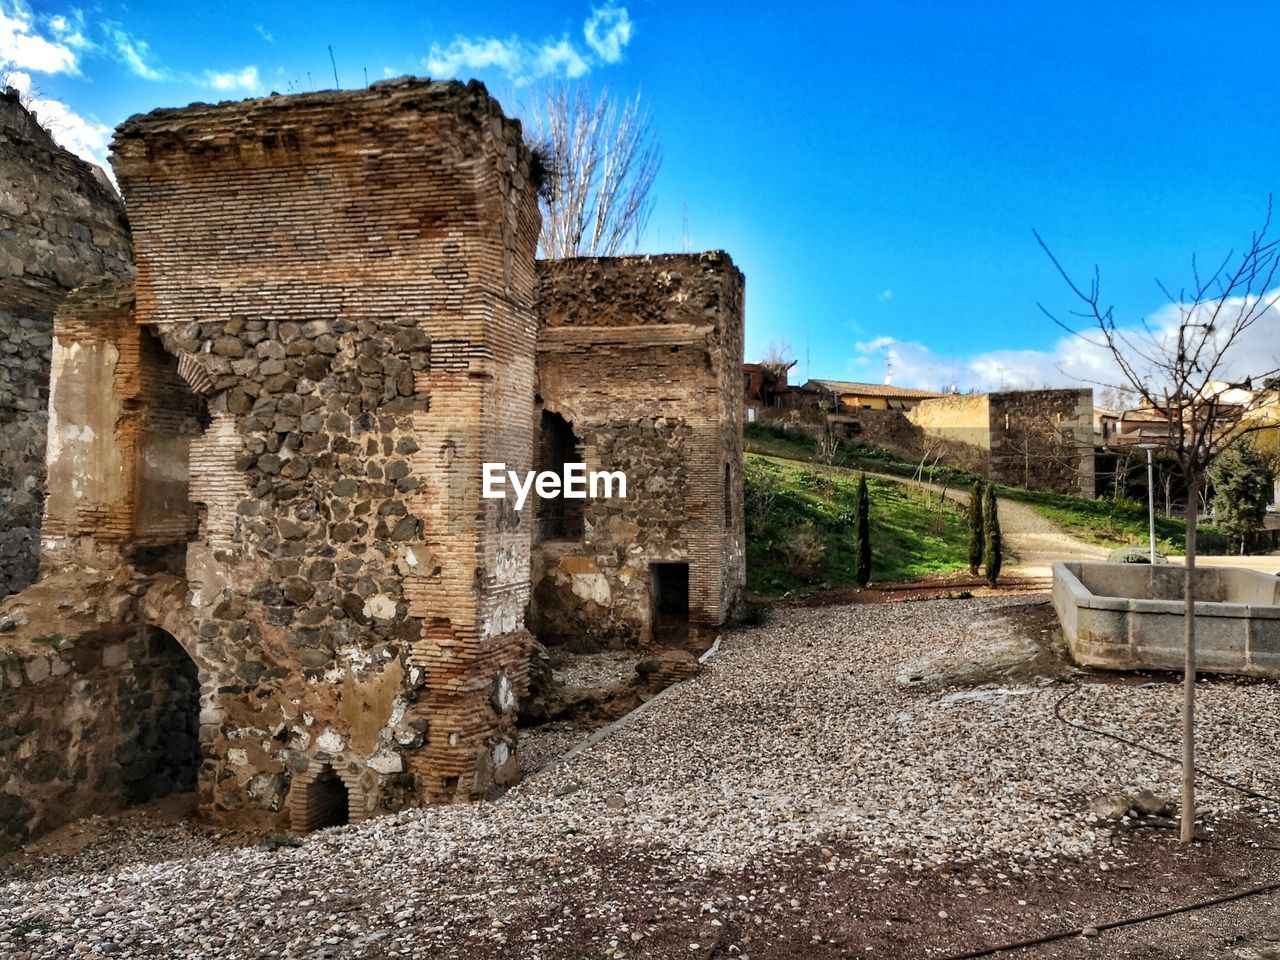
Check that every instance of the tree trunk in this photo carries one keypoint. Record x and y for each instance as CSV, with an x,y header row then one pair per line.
x,y
1189,673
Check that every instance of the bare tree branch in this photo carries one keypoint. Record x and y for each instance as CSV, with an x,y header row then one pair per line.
x,y
1178,374
603,161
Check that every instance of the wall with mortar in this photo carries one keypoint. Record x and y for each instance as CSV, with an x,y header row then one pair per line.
x,y
362,345
61,225
962,417
1040,439
643,356
93,720
120,423
1043,440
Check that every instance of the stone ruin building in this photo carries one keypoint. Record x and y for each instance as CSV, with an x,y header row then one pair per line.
x,y
61,225
267,570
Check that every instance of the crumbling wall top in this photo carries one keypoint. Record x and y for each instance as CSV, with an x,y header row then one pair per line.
x,y
674,288
285,122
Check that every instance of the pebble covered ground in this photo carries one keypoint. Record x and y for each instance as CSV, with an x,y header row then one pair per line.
x,y
888,744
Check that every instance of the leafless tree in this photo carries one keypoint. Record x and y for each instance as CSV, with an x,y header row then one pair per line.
x,y
778,357
828,447
601,164
1177,371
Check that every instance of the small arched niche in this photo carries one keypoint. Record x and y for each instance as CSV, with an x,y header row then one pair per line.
x,y
319,798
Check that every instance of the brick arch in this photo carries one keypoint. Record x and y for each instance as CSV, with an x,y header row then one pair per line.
x,y
300,797
165,606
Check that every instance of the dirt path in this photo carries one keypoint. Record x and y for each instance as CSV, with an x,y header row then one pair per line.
x,y
1032,542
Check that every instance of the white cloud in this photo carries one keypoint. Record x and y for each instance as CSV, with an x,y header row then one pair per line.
x,y
561,57
479,54
70,30
24,48
228,80
885,295
83,137
608,31
1071,361
264,33
134,54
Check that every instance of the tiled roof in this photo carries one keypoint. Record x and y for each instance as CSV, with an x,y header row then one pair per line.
x,y
871,389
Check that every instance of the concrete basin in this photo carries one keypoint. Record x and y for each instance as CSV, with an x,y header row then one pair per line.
x,y
1125,616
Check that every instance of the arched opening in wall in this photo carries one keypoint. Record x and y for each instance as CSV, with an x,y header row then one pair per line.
x,y
559,518
160,707
162,416
325,801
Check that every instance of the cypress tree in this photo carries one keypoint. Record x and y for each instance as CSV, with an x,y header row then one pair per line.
x,y
862,540
976,544
991,522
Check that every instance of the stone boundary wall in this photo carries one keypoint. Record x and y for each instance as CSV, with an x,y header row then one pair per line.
x,y
63,226
963,417
1043,440
1038,439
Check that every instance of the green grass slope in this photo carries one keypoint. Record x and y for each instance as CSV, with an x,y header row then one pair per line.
x,y
912,534
1106,522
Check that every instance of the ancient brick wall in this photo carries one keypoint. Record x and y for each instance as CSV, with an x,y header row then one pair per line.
x,y
347,280
642,357
61,225
121,419
1043,440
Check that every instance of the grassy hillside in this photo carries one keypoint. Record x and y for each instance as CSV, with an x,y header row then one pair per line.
x,y
1106,522
800,529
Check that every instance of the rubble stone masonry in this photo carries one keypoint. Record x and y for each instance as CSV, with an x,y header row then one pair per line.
x,y
266,522
61,225
641,356
1038,439
347,282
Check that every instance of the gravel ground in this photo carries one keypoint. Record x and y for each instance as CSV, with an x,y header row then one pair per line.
x,y
906,748
604,669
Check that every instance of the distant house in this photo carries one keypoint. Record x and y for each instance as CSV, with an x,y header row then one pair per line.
x,y
764,386
845,396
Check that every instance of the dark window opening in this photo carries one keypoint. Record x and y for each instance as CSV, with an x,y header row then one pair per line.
x,y
560,519
670,595
163,706
728,495
328,803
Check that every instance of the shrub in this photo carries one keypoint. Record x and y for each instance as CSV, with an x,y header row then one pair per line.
x,y
862,534
278,840
976,544
760,495
991,555
803,554
1134,555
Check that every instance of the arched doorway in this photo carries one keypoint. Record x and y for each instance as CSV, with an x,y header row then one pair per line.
x,y
319,798
160,708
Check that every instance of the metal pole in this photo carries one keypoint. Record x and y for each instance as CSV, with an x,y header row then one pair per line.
x,y
1151,505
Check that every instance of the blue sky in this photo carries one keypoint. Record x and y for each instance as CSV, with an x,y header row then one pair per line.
x,y
875,170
